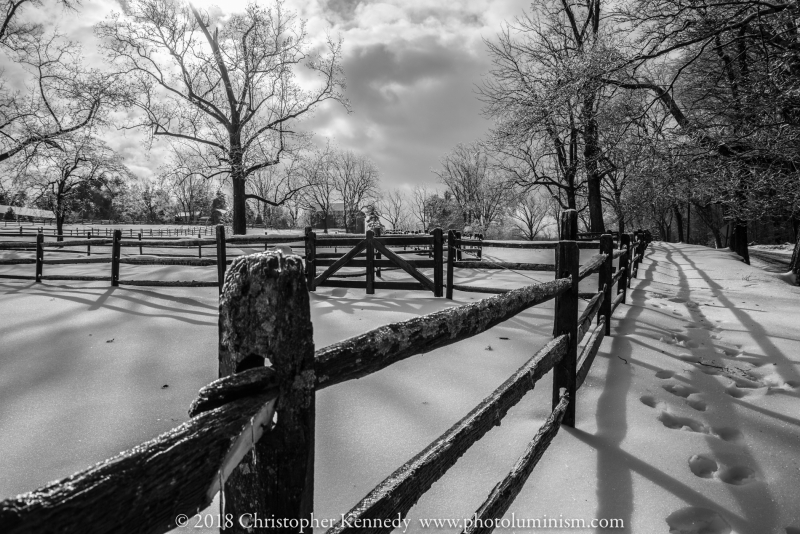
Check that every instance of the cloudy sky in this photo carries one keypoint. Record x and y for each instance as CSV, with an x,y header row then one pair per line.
x,y
412,67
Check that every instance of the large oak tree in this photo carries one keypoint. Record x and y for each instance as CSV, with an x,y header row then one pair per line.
x,y
230,87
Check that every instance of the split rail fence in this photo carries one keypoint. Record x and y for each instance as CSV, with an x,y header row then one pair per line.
x,y
233,444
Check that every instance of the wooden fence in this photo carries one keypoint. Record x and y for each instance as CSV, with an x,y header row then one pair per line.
x,y
231,443
117,241
373,252
107,232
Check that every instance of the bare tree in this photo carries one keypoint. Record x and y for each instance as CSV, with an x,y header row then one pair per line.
x,y
481,190
393,209
59,174
278,185
546,90
319,192
420,205
529,214
51,93
225,85
356,180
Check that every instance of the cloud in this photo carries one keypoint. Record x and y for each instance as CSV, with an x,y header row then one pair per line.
x,y
411,65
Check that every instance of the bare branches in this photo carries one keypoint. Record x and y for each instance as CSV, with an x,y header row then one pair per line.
x,y
481,190
59,97
228,84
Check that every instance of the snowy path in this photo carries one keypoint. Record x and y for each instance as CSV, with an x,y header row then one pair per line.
x,y
690,414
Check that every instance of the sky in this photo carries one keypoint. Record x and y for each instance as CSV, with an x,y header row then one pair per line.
x,y
412,69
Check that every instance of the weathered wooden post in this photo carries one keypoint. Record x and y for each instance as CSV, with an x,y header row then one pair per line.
x,y
378,254
140,245
39,256
631,259
566,313
459,245
370,263
451,257
604,279
636,242
115,254
438,258
624,263
479,246
88,246
264,315
311,257
222,256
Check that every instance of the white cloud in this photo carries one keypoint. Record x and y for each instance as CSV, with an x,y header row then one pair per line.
x,y
411,67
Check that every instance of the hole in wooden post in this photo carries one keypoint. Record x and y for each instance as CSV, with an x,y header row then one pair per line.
x,y
250,362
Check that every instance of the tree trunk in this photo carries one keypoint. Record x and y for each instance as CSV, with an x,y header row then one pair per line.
x,y
794,266
717,236
591,154
238,179
572,203
59,217
688,223
740,232
679,221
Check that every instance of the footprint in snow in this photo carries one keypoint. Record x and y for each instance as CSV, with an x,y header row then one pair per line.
x,y
664,373
649,400
696,520
677,422
694,401
705,467
702,466
679,390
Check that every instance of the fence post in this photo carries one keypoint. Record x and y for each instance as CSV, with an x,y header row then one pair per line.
x,y
480,247
458,246
115,253
311,257
39,256
370,263
604,279
88,246
140,246
624,261
566,313
199,246
438,257
451,257
630,255
378,255
636,242
264,314
222,257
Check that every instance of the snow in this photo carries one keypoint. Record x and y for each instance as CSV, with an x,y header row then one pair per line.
x,y
687,421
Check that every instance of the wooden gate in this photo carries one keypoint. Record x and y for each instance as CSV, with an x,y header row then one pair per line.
x,y
374,252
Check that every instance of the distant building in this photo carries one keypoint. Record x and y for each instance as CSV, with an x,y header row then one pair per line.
x,y
28,213
187,217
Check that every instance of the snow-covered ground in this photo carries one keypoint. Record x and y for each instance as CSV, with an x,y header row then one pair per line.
x,y
688,417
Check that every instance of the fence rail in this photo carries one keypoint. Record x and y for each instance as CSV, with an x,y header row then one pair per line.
x,y
374,255
231,444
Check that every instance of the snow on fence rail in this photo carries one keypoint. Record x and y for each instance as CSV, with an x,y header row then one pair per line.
x,y
232,444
